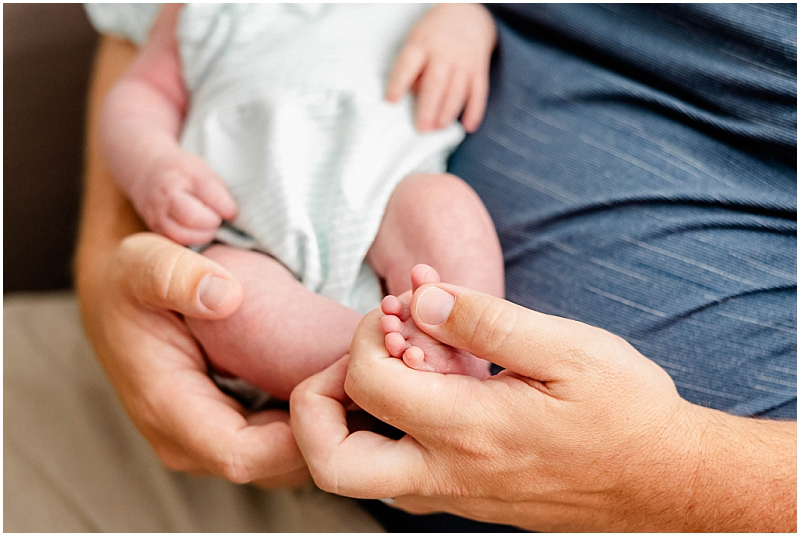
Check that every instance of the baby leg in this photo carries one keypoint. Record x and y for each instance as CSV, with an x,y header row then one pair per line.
x,y
281,334
440,221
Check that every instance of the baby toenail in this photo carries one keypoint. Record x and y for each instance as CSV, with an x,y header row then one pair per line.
x,y
434,306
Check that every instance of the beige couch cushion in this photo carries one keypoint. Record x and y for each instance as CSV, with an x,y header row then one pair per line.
x,y
74,462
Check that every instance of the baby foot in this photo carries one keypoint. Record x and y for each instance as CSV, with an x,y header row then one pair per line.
x,y
417,349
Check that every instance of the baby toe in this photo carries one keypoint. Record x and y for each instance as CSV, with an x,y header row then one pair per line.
x,y
391,305
422,274
395,344
390,323
414,357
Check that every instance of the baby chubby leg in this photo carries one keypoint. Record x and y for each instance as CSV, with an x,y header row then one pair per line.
x,y
437,220
281,334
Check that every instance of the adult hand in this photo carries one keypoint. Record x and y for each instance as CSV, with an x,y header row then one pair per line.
x,y
159,372
580,432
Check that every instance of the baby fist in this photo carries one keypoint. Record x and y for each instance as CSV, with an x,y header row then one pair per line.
x,y
183,199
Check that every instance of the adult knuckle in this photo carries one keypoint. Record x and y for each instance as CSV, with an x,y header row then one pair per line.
x,y
302,393
495,323
162,275
591,350
353,382
233,468
578,359
325,476
144,412
323,481
614,342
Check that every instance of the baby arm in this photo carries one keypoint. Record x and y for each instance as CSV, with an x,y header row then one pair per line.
x,y
445,61
174,191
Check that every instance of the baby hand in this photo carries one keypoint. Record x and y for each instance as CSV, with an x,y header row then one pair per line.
x,y
445,61
182,199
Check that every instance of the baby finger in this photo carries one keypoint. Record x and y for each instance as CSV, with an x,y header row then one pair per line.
x,y
212,190
190,212
405,72
432,89
455,98
184,235
476,103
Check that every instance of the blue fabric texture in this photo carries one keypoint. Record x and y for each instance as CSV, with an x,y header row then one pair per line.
x,y
639,162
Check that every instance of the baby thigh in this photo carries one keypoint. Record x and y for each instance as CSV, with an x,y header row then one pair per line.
x,y
281,334
437,219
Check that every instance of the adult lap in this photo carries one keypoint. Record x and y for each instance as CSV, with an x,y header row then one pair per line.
x,y
75,462
626,199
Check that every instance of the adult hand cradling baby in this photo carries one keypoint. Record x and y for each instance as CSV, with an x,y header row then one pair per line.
x,y
580,432
159,371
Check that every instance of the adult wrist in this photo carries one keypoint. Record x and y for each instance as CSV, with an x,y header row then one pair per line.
x,y
747,478
658,488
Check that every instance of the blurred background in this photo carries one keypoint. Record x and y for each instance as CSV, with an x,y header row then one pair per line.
x,y
47,55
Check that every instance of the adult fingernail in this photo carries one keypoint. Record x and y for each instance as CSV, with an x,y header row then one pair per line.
x,y
434,306
214,291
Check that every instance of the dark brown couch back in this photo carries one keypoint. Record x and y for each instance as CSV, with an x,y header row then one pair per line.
x,y
47,54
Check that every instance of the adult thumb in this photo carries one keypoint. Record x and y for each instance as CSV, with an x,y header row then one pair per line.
x,y
160,273
527,342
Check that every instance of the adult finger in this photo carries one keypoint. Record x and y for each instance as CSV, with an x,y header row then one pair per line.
x,y
287,477
214,434
405,71
533,344
161,273
362,464
431,92
476,103
423,404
